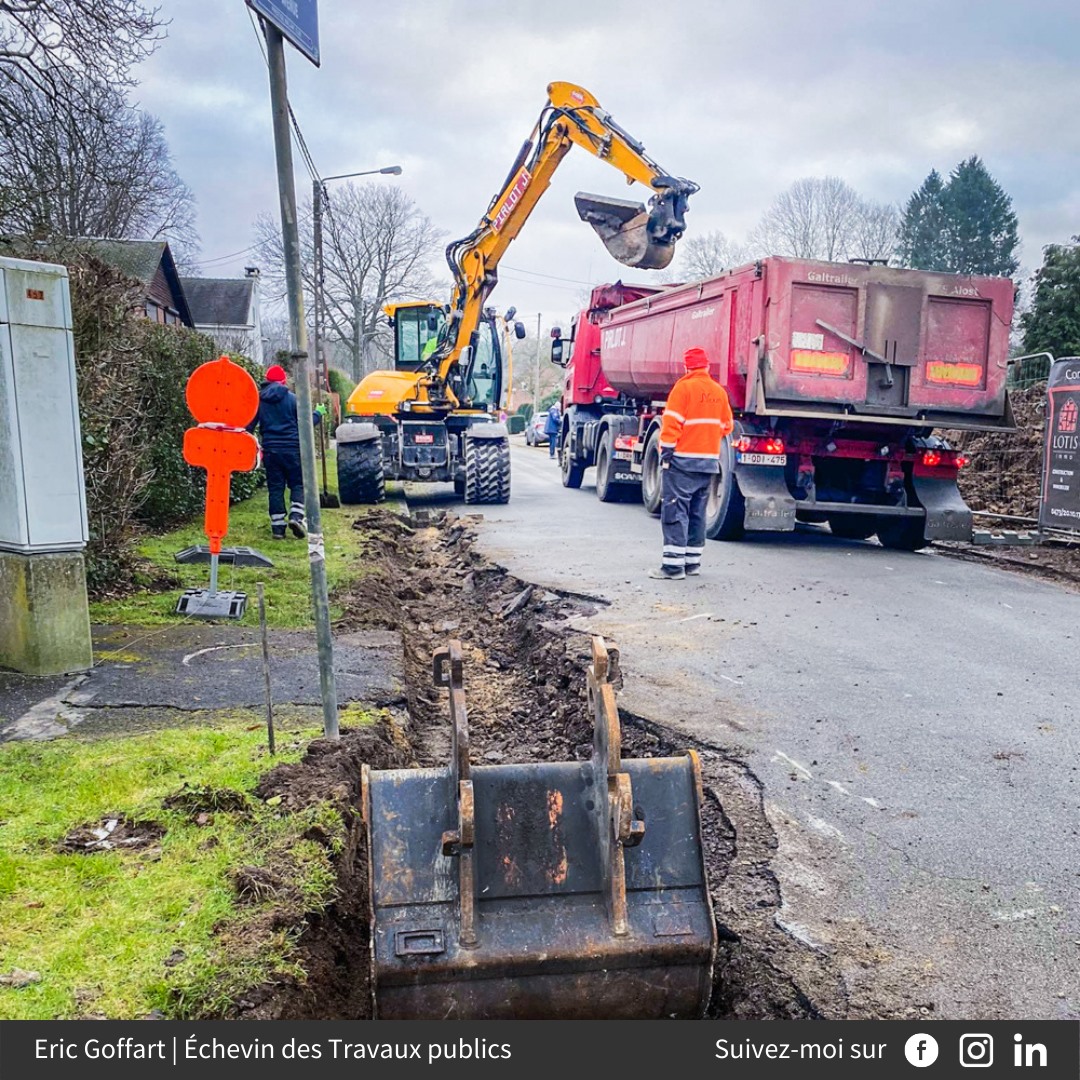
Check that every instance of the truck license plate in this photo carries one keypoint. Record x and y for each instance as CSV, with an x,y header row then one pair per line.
x,y
761,459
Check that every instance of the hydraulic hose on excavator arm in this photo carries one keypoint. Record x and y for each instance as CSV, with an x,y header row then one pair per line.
x,y
635,236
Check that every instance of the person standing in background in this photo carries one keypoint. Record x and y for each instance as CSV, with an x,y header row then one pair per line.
x,y
279,434
551,426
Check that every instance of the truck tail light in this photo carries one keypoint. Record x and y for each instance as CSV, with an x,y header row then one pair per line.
x,y
759,444
625,442
949,459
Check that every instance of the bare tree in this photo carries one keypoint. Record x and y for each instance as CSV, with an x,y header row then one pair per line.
x,y
58,46
826,218
377,247
104,170
874,230
708,255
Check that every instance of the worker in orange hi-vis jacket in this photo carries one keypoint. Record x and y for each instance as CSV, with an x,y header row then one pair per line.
x,y
696,419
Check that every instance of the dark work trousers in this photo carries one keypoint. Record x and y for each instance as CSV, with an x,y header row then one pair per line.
x,y
682,516
283,469
551,444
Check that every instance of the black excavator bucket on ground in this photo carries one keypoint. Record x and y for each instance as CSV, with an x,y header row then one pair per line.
x,y
565,890
636,236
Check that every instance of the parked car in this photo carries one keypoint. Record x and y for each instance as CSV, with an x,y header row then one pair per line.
x,y
534,431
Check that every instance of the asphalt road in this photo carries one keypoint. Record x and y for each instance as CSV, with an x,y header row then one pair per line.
x,y
912,719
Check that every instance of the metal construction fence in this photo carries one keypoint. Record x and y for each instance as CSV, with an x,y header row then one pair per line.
x,y
1004,471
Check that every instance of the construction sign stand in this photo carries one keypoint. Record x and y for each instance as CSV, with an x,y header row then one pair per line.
x,y
223,398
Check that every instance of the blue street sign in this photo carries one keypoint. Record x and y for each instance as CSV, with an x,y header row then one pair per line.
x,y
298,21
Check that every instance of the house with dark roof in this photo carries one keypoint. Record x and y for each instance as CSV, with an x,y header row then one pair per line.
x,y
228,310
151,263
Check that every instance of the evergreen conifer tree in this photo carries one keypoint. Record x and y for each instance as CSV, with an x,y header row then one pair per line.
x,y
980,226
920,242
1052,324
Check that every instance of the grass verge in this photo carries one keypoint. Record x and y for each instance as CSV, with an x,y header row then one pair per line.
x,y
203,907
287,584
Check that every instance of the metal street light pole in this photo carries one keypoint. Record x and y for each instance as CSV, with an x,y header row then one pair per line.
x,y
318,196
290,236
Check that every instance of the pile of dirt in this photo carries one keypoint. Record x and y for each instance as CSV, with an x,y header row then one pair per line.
x,y
1004,472
334,943
113,833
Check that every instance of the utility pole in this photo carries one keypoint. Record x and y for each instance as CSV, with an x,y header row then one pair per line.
x,y
320,351
290,236
536,399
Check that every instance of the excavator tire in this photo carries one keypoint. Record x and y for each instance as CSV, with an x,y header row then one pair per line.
x,y
487,471
360,472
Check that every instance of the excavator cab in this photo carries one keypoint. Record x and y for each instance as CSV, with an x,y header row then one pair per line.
x,y
416,326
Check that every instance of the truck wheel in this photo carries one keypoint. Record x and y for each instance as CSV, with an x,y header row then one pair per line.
x,y
360,472
726,509
572,471
608,490
853,526
652,487
487,471
902,534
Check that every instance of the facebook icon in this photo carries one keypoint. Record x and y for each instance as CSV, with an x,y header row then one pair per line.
x,y
921,1050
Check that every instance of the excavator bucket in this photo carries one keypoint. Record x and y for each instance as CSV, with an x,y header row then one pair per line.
x,y
626,228
566,890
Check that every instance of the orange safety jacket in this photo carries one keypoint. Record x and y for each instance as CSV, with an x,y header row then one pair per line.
x,y
696,419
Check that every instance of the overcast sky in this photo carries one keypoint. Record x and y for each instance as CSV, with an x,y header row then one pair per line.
x,y
742,98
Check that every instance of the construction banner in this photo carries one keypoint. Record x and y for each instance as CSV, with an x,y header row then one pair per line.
x,y
1059,507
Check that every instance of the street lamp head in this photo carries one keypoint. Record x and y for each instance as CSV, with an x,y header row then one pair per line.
x,y
387,170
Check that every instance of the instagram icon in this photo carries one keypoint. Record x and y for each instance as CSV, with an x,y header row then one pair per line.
x,y
976,1051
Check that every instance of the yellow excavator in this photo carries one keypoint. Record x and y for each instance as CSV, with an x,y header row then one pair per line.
x,y
435,416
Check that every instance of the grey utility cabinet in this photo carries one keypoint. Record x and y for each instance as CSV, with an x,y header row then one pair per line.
x,y
42,499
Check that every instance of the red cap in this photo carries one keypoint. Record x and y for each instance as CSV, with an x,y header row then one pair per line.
x,y
694,359
276,373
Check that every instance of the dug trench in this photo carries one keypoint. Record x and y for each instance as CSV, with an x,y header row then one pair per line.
x,y
525,691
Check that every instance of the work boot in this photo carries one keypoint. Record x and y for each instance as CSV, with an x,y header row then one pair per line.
x,y
664,573
277,532
296,524
693,569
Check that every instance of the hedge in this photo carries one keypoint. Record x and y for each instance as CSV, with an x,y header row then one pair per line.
x,y
131,377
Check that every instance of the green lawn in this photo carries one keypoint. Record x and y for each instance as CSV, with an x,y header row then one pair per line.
x,y
287,585
99,927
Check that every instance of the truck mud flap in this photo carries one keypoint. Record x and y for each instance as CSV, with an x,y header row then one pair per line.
x,y
770,506
565,890
947,515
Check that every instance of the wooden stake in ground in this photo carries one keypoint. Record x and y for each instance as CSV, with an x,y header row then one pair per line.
x,y
266,670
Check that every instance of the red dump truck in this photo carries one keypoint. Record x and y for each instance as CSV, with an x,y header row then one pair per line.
x,y
838,376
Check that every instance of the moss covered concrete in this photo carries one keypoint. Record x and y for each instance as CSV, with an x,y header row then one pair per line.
x,y
44,615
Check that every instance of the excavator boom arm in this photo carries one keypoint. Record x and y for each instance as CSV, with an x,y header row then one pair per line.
x,y
635,236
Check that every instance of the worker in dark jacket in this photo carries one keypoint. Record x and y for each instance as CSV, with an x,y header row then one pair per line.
x,y
552,423
697,416
280,438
